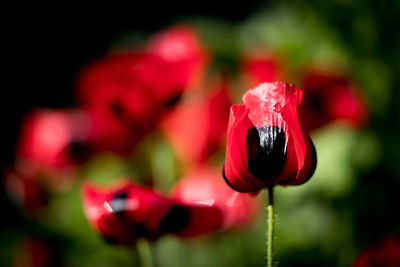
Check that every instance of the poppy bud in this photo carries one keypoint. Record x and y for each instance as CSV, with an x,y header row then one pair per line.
x,y
266,143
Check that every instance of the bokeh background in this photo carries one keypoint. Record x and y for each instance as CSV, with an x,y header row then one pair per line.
x,y
350,203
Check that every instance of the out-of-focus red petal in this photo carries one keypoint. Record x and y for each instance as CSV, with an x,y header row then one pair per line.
x,y
202,220
207,129
181,45
51,144
384,253
260,68
46,134
204,186
330,96
136,87
107,133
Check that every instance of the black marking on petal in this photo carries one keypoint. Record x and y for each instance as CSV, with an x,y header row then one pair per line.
x,y
118,202
173,100
176,219
266,151
139,230
78,151
109,240
117,108
314,160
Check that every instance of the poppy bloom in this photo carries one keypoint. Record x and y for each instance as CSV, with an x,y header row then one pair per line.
x,y
203,186
181,45
125,212
330,97
53,138
136,88
51,144
208,129
385,253
260,68
266,143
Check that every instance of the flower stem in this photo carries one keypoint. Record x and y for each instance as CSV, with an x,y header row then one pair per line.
x,y
270,230
144,252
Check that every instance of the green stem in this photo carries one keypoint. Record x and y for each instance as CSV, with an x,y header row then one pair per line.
x,y
144,252
270,231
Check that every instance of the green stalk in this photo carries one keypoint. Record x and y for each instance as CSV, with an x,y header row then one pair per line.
x,y
270,229
144,252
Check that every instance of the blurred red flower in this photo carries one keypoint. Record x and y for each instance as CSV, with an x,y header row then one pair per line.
x,y
330,97
202,120
385,253
35,252
181,44
53,138
125,212
24,188
139,87
135,87
266,143
51,144
259,68
203,186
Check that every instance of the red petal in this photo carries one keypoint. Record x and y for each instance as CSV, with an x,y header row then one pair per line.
x,y
235,166
300,156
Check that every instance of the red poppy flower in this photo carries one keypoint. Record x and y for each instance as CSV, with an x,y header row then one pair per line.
x,y
203,186
125,212
134,87
266,144
259,68
329,97
385,253
208,129
53,139
181,45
